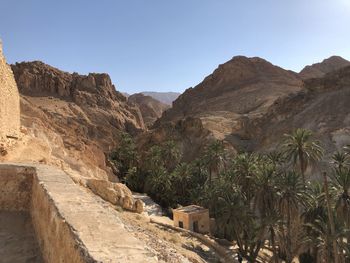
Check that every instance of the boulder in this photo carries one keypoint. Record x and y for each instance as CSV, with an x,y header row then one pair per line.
x,y
116,194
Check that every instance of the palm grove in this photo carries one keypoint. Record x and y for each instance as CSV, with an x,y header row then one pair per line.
x,y
259,201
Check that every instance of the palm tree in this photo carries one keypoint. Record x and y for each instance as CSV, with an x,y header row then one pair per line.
x,y
237,220
276,158
171,154
161,183
340,159
290,194
243,169
265,201
301,148
314,210
125,156
182,176
154,158
328,242
215,156
331,219
341,181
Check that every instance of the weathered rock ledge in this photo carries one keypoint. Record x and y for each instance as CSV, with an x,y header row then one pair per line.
x,y
70,224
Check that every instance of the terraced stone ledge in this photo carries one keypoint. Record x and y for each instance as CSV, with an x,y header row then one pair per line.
x,y
70,223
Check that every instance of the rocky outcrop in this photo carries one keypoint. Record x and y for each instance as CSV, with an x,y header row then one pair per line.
x,y
318,70
9,102
164,97
151,109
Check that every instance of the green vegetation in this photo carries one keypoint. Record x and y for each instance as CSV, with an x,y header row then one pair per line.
x,y
259,201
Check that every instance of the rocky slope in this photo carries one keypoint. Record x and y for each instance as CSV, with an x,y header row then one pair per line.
x,y
321,106
164,97
76,119
318,70
151,109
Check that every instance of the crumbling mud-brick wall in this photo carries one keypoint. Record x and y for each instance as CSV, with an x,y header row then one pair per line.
x,y
9,101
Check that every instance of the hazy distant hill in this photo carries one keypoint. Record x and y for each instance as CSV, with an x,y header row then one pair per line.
x,y
165,97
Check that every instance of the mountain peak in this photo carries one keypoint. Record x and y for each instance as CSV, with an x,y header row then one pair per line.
x,y
318,70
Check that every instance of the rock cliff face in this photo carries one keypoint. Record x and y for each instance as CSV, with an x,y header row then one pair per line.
x,y
151,109
9,102
318,70
76,119
104,111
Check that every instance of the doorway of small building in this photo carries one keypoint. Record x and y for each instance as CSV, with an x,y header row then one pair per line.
x,y
181,224
195,226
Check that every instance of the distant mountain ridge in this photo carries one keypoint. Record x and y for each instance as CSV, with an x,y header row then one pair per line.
x,y
164,97
151,109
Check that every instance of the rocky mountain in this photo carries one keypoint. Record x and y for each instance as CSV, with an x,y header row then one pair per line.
x,y
239,88
80,117
318,70
164,97
250,103
151,109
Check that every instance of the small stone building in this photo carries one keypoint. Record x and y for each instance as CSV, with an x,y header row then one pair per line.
x,y
192,217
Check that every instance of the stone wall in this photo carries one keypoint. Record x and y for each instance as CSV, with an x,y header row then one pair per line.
x,y
9,101
71,224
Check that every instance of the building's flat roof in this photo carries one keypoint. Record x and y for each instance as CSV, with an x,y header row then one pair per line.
x,y
191,209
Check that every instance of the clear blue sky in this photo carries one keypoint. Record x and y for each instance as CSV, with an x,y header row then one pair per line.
x,y
164,45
